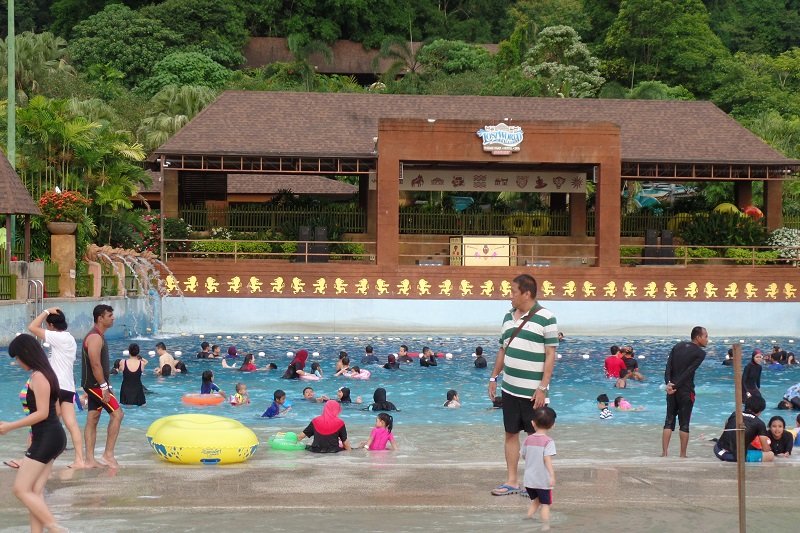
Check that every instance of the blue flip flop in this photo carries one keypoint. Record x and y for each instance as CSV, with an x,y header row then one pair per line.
x,y
504,490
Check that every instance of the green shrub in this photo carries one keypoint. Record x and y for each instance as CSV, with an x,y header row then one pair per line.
x,y
355,251
696,254
176,228
787,240
744,256
723,229
630,255
211,248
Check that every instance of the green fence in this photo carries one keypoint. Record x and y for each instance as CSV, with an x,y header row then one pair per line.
x,y
132,287
52,288
518,223
264,218
84,282
8,281
109,284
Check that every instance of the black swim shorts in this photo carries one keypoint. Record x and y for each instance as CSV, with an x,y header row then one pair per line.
x,y
679,405
47,443
545,496
517,414
66,396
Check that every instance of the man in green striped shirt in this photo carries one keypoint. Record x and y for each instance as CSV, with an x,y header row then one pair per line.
x,y
526,358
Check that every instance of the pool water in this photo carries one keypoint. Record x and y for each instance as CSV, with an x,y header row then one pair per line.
x,y
420,392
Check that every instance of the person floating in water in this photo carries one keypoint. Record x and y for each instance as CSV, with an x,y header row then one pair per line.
x,y
602,404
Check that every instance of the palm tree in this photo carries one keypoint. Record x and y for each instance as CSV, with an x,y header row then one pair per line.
x,y
169,110
37,56
302,50
403,55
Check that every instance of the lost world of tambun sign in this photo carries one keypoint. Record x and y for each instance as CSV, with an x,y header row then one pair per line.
x,y
470,287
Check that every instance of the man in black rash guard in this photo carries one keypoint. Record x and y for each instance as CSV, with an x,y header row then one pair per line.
x,y
683,361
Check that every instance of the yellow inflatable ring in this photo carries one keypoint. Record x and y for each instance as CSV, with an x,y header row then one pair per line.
x,y
518,224
198,439
540,223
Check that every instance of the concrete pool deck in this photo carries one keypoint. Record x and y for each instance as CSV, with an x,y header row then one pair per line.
x,y
607,480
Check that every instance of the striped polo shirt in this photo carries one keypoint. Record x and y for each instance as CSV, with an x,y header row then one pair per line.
x,y
523,367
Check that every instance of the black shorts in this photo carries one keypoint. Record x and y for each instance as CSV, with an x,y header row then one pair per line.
x,y
66,396
679,405
47,443
545,495
517,414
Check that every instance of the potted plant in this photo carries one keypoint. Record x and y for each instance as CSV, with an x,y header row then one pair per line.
x,y
63,211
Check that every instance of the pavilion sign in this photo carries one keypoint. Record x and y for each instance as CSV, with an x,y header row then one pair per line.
x,y
491,180
501,139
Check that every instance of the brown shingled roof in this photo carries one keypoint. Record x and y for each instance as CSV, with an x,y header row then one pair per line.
x,y
338,124
273,183
298,184
14,197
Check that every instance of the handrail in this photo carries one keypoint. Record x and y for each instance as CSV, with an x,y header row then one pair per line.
x,y
300,251
38,295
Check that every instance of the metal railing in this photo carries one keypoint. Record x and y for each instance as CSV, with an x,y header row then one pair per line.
x,y
36,293
437,253
264,218
749,256
297,251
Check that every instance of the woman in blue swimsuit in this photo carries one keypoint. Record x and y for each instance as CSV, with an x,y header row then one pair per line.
x,y
48,438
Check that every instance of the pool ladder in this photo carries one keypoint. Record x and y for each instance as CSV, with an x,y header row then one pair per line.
x,y
38,296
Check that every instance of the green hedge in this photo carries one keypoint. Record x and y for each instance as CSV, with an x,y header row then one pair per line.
x,y
744,256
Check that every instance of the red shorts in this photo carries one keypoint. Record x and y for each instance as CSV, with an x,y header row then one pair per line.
x,y
96,402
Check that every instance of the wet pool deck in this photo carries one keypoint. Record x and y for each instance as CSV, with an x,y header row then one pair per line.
x,y
429,485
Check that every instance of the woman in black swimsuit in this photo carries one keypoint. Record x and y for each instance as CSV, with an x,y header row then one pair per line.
x,y
131,392
48,438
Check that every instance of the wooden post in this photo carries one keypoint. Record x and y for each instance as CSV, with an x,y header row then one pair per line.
x,y
741,450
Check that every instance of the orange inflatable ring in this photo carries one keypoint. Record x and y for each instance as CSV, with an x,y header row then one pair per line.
x,y
202,399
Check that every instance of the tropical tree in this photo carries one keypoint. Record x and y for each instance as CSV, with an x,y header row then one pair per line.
x,y
453,57
666,40
563,64
123,39
403,55
215,28
302,49
171,109
184,68
38,55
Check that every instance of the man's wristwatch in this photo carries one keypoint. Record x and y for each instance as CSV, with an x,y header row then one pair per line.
x,y
543,389
493,380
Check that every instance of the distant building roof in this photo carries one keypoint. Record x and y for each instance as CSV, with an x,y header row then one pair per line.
x,y
14,197
348,57
344,125
298,184
274,183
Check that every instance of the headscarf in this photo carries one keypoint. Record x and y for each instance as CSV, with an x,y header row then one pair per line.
x,y
380,403
345,395
299,360
753,357
392,362
232,351
328,422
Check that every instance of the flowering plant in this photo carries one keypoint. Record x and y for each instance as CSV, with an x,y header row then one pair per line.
x,y
67,206
787,241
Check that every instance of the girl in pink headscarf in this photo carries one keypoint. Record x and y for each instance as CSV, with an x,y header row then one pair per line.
x,y
295,368
328,430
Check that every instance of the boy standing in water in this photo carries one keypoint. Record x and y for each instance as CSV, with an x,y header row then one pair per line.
x,y
538,451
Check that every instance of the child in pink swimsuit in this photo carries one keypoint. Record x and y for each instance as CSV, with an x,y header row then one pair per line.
x,y
381,434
